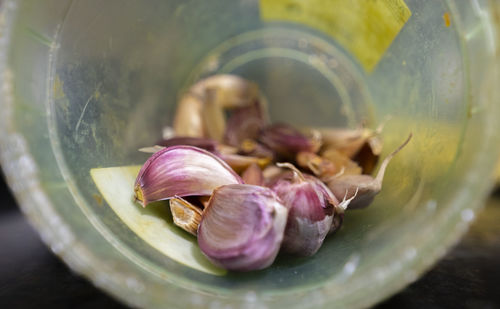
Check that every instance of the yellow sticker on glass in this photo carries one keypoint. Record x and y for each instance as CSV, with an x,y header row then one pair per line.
x,y
365,28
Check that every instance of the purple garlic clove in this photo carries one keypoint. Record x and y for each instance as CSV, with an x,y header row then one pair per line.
x,y
285,141
311,211
181,171
244,123
185,214
347,141
242,227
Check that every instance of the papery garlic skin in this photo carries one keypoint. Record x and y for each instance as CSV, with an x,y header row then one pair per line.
x,y
311,211
181,171
362,189
185,215
242,227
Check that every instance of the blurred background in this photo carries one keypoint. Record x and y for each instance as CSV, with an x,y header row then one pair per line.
x,y
32,277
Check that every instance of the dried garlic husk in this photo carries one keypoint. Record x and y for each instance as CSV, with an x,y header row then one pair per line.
x,y
285,141
339,211
180,171
185,215
366,186
320,167
344,164
242,227
311,208
369,154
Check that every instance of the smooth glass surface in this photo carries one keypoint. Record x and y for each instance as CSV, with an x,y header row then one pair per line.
x,y
87,83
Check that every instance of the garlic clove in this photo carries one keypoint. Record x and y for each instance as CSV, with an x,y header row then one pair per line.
x,y
188,119
244,123
242,227
362,188
227,153
181,171
185,215
311,210
253,175
214,119
286,141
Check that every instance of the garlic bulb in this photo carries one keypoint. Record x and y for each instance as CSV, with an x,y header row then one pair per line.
x,y
242,227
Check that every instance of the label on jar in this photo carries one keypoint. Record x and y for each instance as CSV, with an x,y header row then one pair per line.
x,y
366,28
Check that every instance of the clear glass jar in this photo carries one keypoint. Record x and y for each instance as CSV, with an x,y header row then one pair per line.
x,y
87,83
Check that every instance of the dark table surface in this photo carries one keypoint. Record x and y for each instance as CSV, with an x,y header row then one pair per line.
x,y
32,277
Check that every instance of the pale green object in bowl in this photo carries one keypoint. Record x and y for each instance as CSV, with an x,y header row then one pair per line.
x,y
87,83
